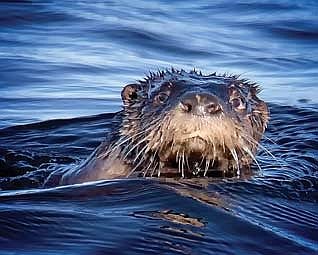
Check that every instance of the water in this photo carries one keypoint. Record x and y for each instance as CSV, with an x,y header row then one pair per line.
x,y
69,59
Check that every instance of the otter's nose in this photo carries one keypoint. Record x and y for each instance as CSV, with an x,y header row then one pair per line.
x,y
200,104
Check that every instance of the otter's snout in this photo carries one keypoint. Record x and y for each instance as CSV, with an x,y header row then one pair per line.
x,y
200,104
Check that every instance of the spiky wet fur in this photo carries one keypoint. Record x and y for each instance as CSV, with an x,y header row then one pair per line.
x,y
150,141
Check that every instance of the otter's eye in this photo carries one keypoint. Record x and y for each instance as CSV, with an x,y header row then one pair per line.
x,y
237,103
161,97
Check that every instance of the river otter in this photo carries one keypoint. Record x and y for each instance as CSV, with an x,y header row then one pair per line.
x,y
178,123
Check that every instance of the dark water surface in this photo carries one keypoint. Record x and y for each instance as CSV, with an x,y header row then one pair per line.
x,y
62,60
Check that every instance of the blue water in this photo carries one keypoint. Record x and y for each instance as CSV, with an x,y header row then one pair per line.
x,y
62,67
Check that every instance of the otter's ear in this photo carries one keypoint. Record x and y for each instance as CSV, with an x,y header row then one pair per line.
x,y
129,94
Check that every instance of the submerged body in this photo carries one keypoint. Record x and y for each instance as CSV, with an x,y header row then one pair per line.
x,y
177,123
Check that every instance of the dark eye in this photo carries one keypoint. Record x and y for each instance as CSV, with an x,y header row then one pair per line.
x,y
161,97
237,103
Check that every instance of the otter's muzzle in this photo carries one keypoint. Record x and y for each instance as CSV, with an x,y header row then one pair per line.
x,y
200,104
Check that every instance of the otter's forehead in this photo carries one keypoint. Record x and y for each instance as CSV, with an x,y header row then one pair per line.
x,y
193,81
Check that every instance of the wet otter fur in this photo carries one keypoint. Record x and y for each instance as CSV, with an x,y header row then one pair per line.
x,y
179,124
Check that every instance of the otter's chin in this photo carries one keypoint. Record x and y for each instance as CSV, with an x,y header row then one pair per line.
x,y
195,166
195,158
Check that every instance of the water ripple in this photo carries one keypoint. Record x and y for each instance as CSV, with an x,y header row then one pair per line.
x,y
61,60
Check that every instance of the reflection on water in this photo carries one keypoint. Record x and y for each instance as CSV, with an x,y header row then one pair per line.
x,y
65,59
87,50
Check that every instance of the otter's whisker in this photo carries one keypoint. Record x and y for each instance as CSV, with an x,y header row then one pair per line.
x,y
177,158
144,149
119,143
132,148
214,153
157,165
235,157
179,163
125,139
207,164
159,168
187,163
155,157
182,166
254,142
133,170
267,138
202,159
148,167
254,159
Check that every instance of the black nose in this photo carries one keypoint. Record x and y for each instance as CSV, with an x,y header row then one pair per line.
x,y
200,104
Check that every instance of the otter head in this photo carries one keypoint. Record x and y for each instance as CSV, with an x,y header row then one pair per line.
x,y
188,124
